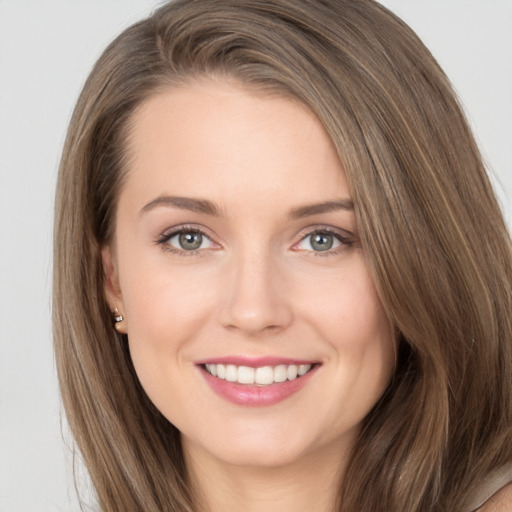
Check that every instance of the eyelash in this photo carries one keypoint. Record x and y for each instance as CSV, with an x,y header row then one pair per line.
x,y
165,237
345,242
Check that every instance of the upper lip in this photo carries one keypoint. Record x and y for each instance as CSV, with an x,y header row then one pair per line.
x,y
255,362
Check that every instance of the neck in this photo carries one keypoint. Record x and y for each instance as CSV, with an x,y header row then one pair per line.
x,y
309,484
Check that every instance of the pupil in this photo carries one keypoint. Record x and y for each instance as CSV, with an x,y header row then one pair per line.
x,y
321,242
191,241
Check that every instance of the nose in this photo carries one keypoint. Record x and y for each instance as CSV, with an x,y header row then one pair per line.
x,y
255,297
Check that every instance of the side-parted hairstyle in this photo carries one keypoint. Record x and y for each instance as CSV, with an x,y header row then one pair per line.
x,y
432,231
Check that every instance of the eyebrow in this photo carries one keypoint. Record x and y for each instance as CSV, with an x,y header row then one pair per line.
x,y
319,208
184,203
209,208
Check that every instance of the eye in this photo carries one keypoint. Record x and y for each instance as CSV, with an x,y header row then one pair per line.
x,y
190,241
319,242
322,241
186,240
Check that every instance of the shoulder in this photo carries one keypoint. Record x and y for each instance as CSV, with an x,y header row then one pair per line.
x,y
494,493
501,501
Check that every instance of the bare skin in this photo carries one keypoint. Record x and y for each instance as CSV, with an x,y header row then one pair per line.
x,y
311,486
500,502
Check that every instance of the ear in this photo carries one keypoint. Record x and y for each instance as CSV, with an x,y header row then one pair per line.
x,y
112,290
111,287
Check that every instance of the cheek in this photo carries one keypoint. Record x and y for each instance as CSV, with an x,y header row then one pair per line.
x,y
346,307
360,337
165,309
158,293
349,316
363,332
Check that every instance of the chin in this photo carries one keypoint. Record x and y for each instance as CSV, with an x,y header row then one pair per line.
x,y
262,447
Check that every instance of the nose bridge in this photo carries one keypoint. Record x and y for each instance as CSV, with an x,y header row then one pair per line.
x,y
254,301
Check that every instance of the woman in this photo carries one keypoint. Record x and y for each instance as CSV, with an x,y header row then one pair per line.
x,y
282,280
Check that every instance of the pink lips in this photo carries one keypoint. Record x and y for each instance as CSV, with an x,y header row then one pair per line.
x,y
251,394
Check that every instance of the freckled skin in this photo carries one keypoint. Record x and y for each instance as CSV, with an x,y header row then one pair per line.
x,y
256,286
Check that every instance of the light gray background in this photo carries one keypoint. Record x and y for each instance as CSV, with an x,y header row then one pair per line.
x,y
46,50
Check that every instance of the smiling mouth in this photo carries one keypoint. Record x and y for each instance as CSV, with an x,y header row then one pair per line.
x,y
262,376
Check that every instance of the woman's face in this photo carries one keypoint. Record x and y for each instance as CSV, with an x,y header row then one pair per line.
x,y
253,323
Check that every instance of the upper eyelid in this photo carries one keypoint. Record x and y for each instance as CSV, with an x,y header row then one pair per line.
x,y
309,230
183,228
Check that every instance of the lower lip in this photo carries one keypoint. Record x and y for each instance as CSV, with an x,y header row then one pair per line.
x,y
257,396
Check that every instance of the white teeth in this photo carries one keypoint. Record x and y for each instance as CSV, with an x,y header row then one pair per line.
x,y
292,372
231,373
263,376
221,371
212,368
246,375
280,373
303,369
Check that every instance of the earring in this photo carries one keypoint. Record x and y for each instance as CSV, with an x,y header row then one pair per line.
x,y
119,321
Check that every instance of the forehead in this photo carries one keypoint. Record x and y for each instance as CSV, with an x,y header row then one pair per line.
x,y
220,139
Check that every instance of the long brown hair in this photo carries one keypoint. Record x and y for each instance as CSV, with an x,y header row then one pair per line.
x,y
431,228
